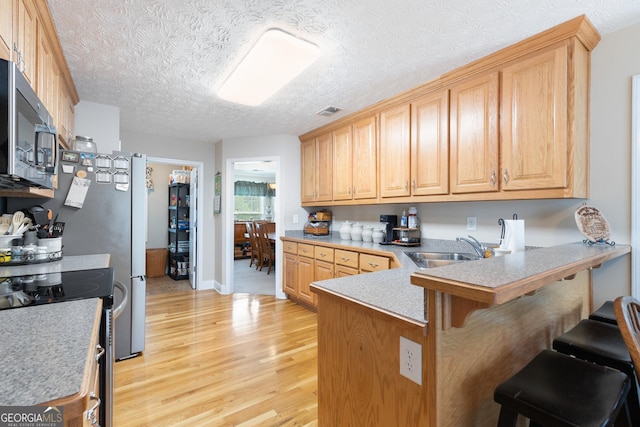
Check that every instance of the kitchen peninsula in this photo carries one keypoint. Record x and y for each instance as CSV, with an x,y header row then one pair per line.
x,y
476,322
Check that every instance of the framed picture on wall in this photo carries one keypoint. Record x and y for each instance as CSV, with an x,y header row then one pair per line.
x,y
217,193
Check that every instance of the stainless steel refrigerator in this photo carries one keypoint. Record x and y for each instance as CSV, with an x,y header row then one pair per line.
x,y
101,198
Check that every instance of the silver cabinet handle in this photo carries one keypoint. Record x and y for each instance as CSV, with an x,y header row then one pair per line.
x,y
413,185
505,176
373,264
91,413
323,255
406,185
493,178
100,352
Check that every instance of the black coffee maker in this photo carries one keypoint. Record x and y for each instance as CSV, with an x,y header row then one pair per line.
x,y
390,222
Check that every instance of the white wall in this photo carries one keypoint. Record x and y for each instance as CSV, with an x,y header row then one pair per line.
x,y
189,151
286,148
101,122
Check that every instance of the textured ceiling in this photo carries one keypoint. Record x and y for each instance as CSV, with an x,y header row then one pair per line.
x,y
161,61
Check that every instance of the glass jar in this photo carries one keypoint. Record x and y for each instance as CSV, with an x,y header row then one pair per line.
x,y
356,232
345,231
367,234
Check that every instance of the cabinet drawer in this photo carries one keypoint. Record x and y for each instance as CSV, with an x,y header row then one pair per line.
x,y
324,254
373,263
348,258
290,247
305,250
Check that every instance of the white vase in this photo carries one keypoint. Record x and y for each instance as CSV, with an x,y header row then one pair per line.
x,y
377,236
367,234
356,232
345,231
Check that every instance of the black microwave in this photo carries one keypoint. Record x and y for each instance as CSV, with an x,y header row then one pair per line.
x,y
28,139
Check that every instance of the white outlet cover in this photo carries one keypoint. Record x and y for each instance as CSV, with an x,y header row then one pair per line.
x,y
411,360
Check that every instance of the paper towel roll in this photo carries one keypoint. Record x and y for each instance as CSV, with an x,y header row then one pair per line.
x,y
514,235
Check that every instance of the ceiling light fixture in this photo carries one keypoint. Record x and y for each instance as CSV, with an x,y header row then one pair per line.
x,y
276,59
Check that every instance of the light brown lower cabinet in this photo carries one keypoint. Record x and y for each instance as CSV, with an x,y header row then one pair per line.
x,y
305,263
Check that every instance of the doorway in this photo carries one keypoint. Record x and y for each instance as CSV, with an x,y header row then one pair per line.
x,y
635,185
158,221
253,196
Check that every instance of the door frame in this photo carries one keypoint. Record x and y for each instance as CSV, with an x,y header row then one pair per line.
x,y
635,185
199,211
228,221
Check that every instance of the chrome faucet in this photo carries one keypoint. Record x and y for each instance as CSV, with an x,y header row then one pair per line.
x,y
475,244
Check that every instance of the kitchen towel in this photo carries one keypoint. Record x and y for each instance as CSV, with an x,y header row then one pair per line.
x,y
514,235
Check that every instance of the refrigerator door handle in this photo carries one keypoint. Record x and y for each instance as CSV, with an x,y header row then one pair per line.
x,y
142,277
125,299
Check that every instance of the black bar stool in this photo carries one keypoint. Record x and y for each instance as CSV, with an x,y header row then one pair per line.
x,y
561,391
602,343
605,314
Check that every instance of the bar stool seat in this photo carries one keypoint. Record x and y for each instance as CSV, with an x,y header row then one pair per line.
x,y
558,390
605,314
602,343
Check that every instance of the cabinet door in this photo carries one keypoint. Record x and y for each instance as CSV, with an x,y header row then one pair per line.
x,y
305,277
474,135
430,144
342,163
395,152
290,275
534,122
26,39
344,271
324,168
365,148
308,173
323,270
6,29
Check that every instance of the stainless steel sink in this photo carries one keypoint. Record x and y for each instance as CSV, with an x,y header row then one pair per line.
x,y
438,259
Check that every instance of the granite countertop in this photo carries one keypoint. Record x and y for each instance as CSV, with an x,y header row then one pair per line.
x,y
392,291
44,350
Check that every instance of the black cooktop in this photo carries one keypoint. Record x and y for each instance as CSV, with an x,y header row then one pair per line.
x,y
49,288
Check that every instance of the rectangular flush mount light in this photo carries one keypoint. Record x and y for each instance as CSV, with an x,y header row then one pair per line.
x,y
276,59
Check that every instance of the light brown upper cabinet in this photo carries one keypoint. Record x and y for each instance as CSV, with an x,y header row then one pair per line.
x,y
365,159
395,151
414,147
430,144
25,40
355,153
474,134
6,29
534,122
317,165
511,125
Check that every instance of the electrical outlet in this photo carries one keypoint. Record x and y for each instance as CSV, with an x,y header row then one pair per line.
x,y
411,360
472,223
295,219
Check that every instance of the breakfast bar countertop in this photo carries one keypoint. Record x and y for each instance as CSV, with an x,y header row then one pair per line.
x,y
400,292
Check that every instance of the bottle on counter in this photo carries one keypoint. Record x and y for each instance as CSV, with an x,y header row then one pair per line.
x,y
412,220
403,218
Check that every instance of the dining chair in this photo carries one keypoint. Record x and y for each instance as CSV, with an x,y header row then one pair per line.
x,y
255,246
268,252
627,310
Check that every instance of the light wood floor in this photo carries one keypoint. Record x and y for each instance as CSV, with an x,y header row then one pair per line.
x,y
220,360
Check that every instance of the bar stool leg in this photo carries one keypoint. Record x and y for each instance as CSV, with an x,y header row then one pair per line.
x,y
508,418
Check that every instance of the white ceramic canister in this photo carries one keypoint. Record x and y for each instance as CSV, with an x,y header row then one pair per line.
x,y
377,236
367,234
356,232
345,231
